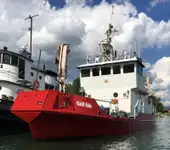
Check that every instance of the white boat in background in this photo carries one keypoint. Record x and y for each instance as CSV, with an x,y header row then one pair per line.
x,y
19,73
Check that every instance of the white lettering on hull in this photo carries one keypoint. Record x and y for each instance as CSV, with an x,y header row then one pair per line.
x,y
83,104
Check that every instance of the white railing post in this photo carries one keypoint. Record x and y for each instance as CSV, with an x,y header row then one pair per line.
x,y
136,106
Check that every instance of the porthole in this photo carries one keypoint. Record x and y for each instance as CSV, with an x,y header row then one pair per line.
x,y
115,94
40,77
32,74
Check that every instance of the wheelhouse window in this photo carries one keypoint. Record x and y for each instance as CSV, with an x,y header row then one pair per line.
x,y
32,74
85,73
14,60
95,71
116,69
6,59
128,68
21,70
105,70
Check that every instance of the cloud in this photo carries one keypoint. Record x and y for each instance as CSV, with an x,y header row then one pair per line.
x,y
160,73
153,3
147,65
166,103
78,24
78,2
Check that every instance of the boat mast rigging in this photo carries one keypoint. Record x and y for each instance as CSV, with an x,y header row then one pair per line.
x,y
30,29
106,49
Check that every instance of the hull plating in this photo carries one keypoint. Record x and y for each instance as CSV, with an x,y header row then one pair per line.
x,y
55,125
80,116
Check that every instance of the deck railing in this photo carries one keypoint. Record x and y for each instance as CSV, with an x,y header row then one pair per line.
x,y
97,57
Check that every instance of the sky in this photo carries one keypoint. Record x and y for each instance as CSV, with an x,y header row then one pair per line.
x,y
82,24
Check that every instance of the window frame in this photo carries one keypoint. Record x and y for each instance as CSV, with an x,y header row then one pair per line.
x,y
97,70
14,64
117,68
105,68
127,71
3,60
82,74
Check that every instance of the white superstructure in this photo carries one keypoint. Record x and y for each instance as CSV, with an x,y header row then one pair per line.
x,y
17,73
115,79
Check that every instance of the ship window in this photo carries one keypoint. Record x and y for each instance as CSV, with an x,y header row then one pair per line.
x,y
32,74
105,70
116,69
14,60
95,71
85,73
6,59
128,68
21,69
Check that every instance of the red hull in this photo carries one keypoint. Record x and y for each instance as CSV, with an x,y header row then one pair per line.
x,y
49,120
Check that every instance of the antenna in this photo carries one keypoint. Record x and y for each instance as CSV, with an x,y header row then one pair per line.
x,y
112,14
38,64
30,28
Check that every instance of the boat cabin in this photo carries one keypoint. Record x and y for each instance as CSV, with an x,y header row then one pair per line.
x,y
17,73
115,80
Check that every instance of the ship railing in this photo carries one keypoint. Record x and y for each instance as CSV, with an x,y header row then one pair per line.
x,y
97,57
10,76
136,108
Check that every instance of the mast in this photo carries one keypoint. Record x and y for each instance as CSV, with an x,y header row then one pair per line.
x,y
106,49
38,65
30,29
61,61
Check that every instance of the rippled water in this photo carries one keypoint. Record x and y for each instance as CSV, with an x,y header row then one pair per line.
x,y
157,139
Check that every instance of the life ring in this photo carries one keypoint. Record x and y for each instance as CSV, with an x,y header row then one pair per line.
x,y
36,84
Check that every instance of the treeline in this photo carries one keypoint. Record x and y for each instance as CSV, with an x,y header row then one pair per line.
x,y
157,104
75,86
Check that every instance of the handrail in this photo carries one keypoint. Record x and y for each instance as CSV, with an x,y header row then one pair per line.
x,y
136,106
90,58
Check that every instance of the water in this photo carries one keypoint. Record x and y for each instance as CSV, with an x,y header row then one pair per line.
x,y
158,138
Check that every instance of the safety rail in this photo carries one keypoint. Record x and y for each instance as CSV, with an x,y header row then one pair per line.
x,y
97,57
136,109
13,77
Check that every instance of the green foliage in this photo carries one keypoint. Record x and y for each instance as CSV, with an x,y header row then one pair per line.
x,y
157,103
74,87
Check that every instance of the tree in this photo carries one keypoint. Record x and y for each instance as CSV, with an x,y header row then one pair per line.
x,y
74,87
157,103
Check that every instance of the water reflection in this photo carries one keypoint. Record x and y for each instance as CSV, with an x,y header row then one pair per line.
x,y
158,138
